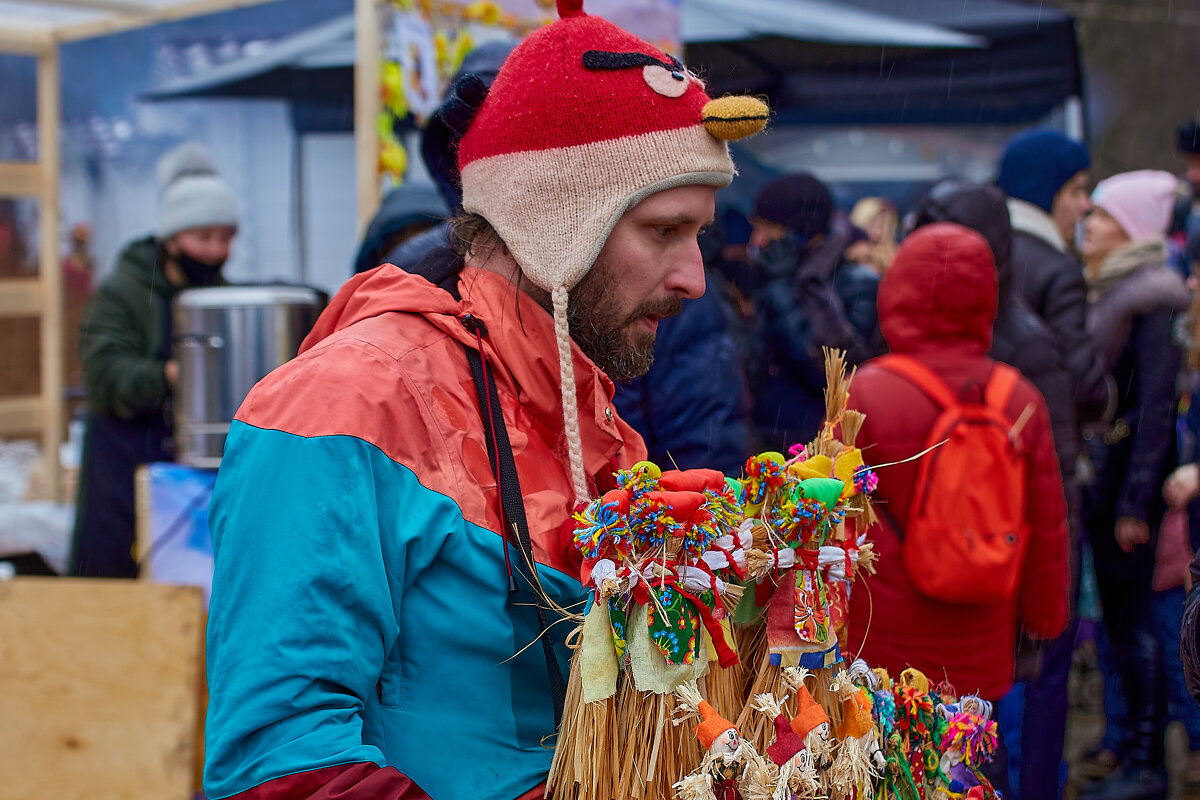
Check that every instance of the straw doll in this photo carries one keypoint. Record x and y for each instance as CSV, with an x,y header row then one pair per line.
x,y
794,776
810,556
793,521
730,765
656,616
859,760
968,744
811,722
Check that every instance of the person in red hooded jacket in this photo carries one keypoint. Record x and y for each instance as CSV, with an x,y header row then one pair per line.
x,y
937,304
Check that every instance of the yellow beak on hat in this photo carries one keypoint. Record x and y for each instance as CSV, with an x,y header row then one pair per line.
x,y
735,117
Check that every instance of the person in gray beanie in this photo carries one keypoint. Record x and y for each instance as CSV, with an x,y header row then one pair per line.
x,y
125,346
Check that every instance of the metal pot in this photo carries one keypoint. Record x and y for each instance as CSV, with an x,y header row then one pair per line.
x,y
226,339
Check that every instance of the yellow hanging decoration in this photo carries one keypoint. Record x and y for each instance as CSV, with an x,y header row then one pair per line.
x,y
487,12
395,100
393,160
451,43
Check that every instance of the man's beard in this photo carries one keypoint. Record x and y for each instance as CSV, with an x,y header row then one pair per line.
x,y
614,342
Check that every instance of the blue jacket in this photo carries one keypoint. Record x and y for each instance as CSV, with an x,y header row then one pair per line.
x,y
795,316
692,407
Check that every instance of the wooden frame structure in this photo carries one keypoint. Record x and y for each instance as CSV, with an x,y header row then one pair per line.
x,y
35,29
40,296
367,105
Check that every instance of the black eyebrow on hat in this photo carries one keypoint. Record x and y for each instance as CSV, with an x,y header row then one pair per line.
x,y
603,59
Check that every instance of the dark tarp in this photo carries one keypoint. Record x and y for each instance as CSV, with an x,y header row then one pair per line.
x,y
850,62
1029,68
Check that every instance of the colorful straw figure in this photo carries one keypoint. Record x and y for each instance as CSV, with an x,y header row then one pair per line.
x,y
860,760
811,722
968,744
731,765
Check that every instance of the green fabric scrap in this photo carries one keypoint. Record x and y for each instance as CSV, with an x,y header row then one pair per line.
x,y
618,616
651,672
674,626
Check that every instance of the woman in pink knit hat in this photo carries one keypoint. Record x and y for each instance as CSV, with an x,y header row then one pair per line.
x,y
1135,299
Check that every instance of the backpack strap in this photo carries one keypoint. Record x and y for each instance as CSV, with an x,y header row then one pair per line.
x,y
512,510
920,376
1000,387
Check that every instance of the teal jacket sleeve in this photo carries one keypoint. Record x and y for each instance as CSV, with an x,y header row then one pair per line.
x,y
315,540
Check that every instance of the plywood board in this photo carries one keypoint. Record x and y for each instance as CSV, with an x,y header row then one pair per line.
x,y
99,686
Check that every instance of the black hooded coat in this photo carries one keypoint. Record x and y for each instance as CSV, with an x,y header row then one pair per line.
x,y
1019,337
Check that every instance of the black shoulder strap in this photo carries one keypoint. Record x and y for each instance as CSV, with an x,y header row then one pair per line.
x,y
500,456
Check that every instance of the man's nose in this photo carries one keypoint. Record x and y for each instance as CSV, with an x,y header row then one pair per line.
x,y
687,279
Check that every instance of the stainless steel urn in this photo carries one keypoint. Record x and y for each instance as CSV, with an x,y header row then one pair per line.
x,y
226,339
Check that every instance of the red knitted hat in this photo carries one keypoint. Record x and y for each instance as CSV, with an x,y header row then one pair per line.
x,y
583,122
787,742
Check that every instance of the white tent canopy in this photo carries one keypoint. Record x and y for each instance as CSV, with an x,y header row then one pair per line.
x,y
30,26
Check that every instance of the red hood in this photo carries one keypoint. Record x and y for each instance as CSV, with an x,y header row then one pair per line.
x,y
520,345
379,291
940,293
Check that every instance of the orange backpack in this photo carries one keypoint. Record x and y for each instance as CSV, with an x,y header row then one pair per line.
x,y
965,538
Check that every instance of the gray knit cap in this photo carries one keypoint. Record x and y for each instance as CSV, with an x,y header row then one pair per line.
x,y
193,195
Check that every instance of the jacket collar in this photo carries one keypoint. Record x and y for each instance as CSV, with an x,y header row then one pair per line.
x,y
521,348
139,261
1123,261
1029,219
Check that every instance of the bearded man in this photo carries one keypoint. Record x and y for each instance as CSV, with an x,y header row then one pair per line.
x,y
379,603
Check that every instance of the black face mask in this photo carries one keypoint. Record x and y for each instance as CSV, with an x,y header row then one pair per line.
x,y
198,273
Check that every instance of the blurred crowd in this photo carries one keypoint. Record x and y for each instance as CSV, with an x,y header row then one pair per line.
x,y
1087,290
1085,287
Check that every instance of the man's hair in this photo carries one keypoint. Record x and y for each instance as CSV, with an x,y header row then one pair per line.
x,y
473,235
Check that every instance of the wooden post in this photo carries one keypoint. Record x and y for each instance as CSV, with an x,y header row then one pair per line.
x,y
50,273
367,106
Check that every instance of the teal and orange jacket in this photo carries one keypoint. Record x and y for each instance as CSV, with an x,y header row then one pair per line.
x,y
362,641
